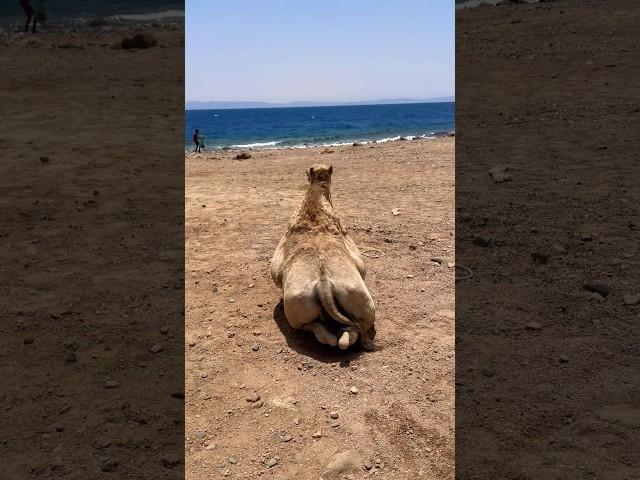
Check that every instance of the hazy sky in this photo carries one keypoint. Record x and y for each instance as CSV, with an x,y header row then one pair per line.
x,y
319,50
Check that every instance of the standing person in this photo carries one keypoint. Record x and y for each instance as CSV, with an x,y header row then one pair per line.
x,y
196,140
28,10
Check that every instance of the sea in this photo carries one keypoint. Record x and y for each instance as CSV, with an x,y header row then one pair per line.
x,y
301,127
77,14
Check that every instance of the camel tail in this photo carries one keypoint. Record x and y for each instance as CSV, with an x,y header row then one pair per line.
x,y
324,289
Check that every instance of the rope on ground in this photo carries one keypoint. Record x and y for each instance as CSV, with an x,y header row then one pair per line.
x,y
374,250
467,269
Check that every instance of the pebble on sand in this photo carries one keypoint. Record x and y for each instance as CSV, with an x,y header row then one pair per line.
x,y
111,384
334,414
170,461
499,174
344,462
157,348
353,390
597,287
534,326
252,397
317,434
255,347
272,462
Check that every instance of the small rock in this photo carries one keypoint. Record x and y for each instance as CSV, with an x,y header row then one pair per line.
x,y
232,300
71,357
257,404
630,299
108,465
200,434
353,390
317,434
500,175
157,348
111,384
334,414
44,159
412,247
357,144
286,438
192,343
481,241
170,461
437,260
252,397
27,340
563,359
410,276
539,258
255,347
395,212
600,288
164,330
233,460
272,462
534,326
144,40
343,462
367,465
204,374
243,156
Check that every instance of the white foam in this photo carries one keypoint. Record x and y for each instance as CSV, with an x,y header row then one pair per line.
x,y
142,17
390,139
257,145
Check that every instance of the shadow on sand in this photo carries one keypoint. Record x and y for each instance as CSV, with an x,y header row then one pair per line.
x,y
306,344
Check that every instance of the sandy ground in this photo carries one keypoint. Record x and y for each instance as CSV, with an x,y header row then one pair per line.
x,y
400,423
91,256
547,371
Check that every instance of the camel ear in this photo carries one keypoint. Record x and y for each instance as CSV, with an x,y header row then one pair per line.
x,y
330,169
310,174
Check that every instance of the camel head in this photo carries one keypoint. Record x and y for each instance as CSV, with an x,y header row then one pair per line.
x,y
320,175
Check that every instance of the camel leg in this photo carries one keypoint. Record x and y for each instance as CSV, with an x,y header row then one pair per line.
x,y
322,334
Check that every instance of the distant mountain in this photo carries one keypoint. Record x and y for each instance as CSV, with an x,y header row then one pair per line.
x,y
383,101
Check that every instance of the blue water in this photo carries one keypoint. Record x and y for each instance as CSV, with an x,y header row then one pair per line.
x,y
309,126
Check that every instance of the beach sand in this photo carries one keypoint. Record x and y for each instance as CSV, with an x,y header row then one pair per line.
x,y
548,371
402,418
92,161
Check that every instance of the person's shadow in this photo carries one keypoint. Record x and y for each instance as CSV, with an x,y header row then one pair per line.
x,y
305,343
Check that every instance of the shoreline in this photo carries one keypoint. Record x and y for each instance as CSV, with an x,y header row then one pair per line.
x,y
97,24
273,145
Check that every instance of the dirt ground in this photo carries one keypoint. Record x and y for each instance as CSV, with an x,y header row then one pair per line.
x,y
547,371
91,255
400,423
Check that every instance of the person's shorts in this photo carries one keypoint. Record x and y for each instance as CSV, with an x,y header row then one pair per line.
x,y
26,6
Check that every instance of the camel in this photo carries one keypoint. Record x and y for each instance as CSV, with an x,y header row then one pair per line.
x,y
321,271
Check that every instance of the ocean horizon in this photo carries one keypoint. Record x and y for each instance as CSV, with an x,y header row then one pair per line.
x,y
301,127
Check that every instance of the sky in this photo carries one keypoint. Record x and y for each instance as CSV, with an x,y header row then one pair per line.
x,y
319,50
